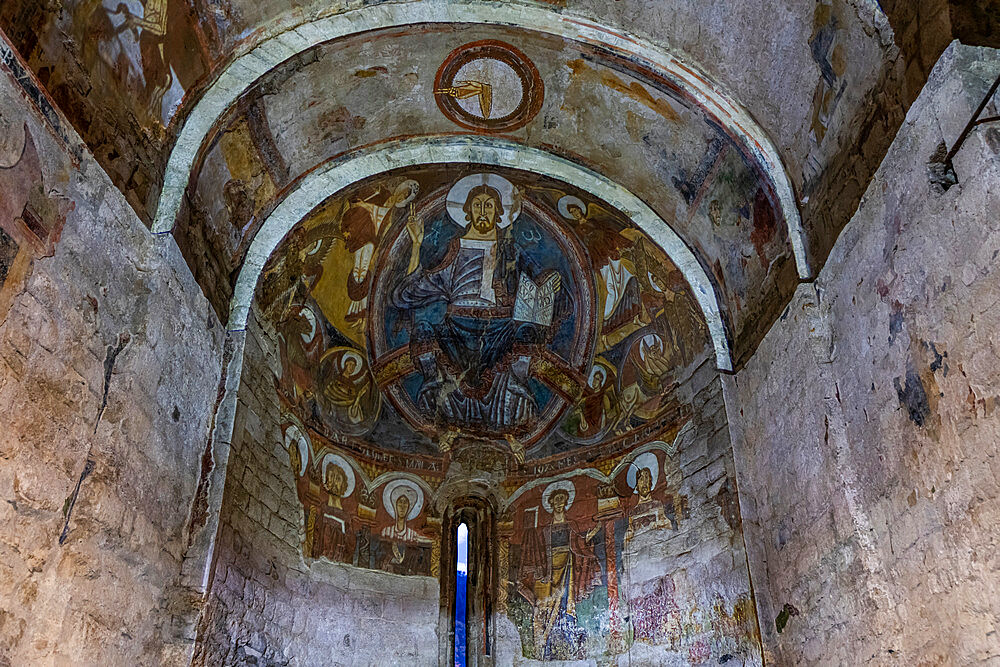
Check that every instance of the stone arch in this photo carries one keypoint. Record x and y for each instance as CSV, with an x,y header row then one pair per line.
x,y
250,66
338,174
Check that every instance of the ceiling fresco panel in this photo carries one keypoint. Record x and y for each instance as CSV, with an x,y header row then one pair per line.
x,y
119,70
620,122
817,76
123,70
444,307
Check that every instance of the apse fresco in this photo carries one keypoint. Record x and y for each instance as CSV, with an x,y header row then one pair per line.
x,y
442,308
543,91
451,321
383,525
593,563
119,70
561,573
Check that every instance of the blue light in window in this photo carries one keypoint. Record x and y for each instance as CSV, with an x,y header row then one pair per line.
x,y
461,574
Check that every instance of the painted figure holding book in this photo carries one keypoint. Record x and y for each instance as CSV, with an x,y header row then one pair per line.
x,y
483,299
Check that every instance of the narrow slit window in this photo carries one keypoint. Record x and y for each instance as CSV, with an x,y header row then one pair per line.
x,y
461,578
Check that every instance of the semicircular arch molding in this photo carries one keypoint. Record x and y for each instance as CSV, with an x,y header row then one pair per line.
x,y
242,73
338,174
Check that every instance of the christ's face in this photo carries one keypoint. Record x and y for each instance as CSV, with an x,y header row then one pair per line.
x,y
484,213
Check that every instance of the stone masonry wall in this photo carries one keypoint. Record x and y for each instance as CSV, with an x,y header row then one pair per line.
x,y
109,364
708,595
268,606
866,427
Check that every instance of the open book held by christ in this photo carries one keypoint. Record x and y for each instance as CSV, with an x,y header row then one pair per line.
x,y
535,301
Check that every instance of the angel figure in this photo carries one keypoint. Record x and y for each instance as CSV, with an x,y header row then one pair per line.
x,y
608,248
288,280
347,385
597,406
362,227
302,344
664,299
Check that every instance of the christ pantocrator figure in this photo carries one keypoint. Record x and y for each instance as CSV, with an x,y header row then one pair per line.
x,y
475,362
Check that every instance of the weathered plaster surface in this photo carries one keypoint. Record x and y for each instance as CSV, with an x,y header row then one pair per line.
x,y
817,89
605,114
266,602
245,70
686,590
109,358
867,457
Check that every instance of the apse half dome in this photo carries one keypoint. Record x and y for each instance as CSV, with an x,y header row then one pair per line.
x,y
438,308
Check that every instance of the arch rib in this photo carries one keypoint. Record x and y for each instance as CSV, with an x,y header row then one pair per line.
x,y
334,176
241,74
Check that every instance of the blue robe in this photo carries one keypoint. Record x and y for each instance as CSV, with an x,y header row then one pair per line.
x,y
476,337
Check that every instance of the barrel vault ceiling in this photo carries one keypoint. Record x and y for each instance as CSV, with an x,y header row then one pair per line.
x,y
749,129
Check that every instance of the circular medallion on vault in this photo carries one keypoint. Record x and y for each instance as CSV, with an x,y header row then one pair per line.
x,y
488,86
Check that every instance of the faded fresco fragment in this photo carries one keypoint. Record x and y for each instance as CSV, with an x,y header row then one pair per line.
x,y
119,70
139,55
31,218
568,576
385,526
747,235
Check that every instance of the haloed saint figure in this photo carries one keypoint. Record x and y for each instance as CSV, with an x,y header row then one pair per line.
x,y
484,292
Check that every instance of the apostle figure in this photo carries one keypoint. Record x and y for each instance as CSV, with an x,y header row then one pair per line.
x,y
334,537
298,454
559,570
647,513
496,305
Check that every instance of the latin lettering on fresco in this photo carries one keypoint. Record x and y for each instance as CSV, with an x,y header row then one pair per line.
x,y
347,520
